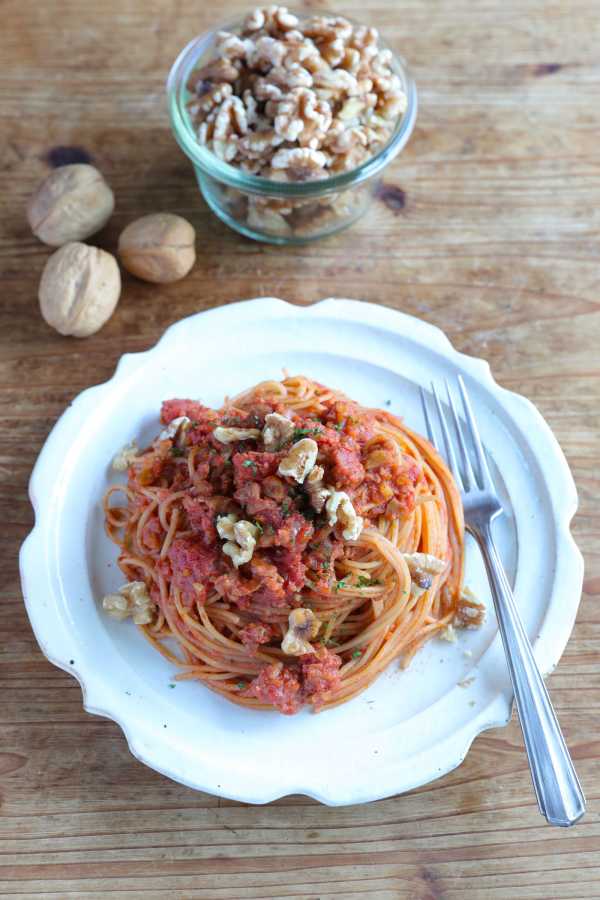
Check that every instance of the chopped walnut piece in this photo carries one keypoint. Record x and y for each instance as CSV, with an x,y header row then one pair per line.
x,y
340,509
448,634
218,70
300,459
328,28
225,526
230,124
230,46
303,626
300,161
470,612
301,116
289,76
227,435
268,220
273,19
213,97
422,568
278,429
241,548
125,457
175,428
256,144
317,491
132,599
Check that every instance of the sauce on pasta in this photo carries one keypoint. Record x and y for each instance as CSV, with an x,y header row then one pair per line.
x,y
291,516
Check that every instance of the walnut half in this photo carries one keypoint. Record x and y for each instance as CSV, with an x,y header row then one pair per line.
x,y
303,626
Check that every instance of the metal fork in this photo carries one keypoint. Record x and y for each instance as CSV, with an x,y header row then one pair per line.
x,y
555,781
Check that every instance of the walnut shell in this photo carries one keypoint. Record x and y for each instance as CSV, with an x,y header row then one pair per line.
x,y
79,289
158,248
71,204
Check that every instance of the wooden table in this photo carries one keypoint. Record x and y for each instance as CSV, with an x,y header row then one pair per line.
x,y
489,228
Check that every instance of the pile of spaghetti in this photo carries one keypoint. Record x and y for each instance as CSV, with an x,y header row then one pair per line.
x,y
284,549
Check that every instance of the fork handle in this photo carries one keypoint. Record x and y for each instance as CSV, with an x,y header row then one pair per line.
x,y
555,781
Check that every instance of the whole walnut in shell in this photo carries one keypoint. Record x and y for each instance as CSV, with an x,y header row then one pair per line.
x,y
79,289
71,204
159,247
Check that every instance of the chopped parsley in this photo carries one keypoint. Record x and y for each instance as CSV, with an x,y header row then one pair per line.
x,y
285,508
339,584
194,423
357,654
363,581
177,451
242,685
339,425
259,528
302,432
325,565
250,464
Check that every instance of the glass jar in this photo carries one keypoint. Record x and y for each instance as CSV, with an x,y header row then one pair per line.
x,y
279,212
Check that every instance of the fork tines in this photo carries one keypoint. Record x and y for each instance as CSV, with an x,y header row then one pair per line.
x,y
468,476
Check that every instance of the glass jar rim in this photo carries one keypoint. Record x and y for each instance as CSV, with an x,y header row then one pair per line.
x,y
216,168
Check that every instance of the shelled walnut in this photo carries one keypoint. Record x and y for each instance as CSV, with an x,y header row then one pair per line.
x,y
292,99
302,97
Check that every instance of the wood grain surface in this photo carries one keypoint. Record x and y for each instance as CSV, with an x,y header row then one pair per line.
x,y
489,227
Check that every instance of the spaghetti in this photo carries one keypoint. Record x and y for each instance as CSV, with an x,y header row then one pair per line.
x,y
287,547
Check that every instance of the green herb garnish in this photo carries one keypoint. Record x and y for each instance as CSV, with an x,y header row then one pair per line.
x,y
339,425
242,685
325,565
302,432
177,451
339,584
363,581
356,654
285,508
259,528
250,464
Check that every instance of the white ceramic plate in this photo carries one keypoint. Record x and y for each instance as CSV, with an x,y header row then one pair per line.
x,y
410,726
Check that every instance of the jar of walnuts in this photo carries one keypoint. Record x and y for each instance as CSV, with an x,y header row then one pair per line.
x,y
290,122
